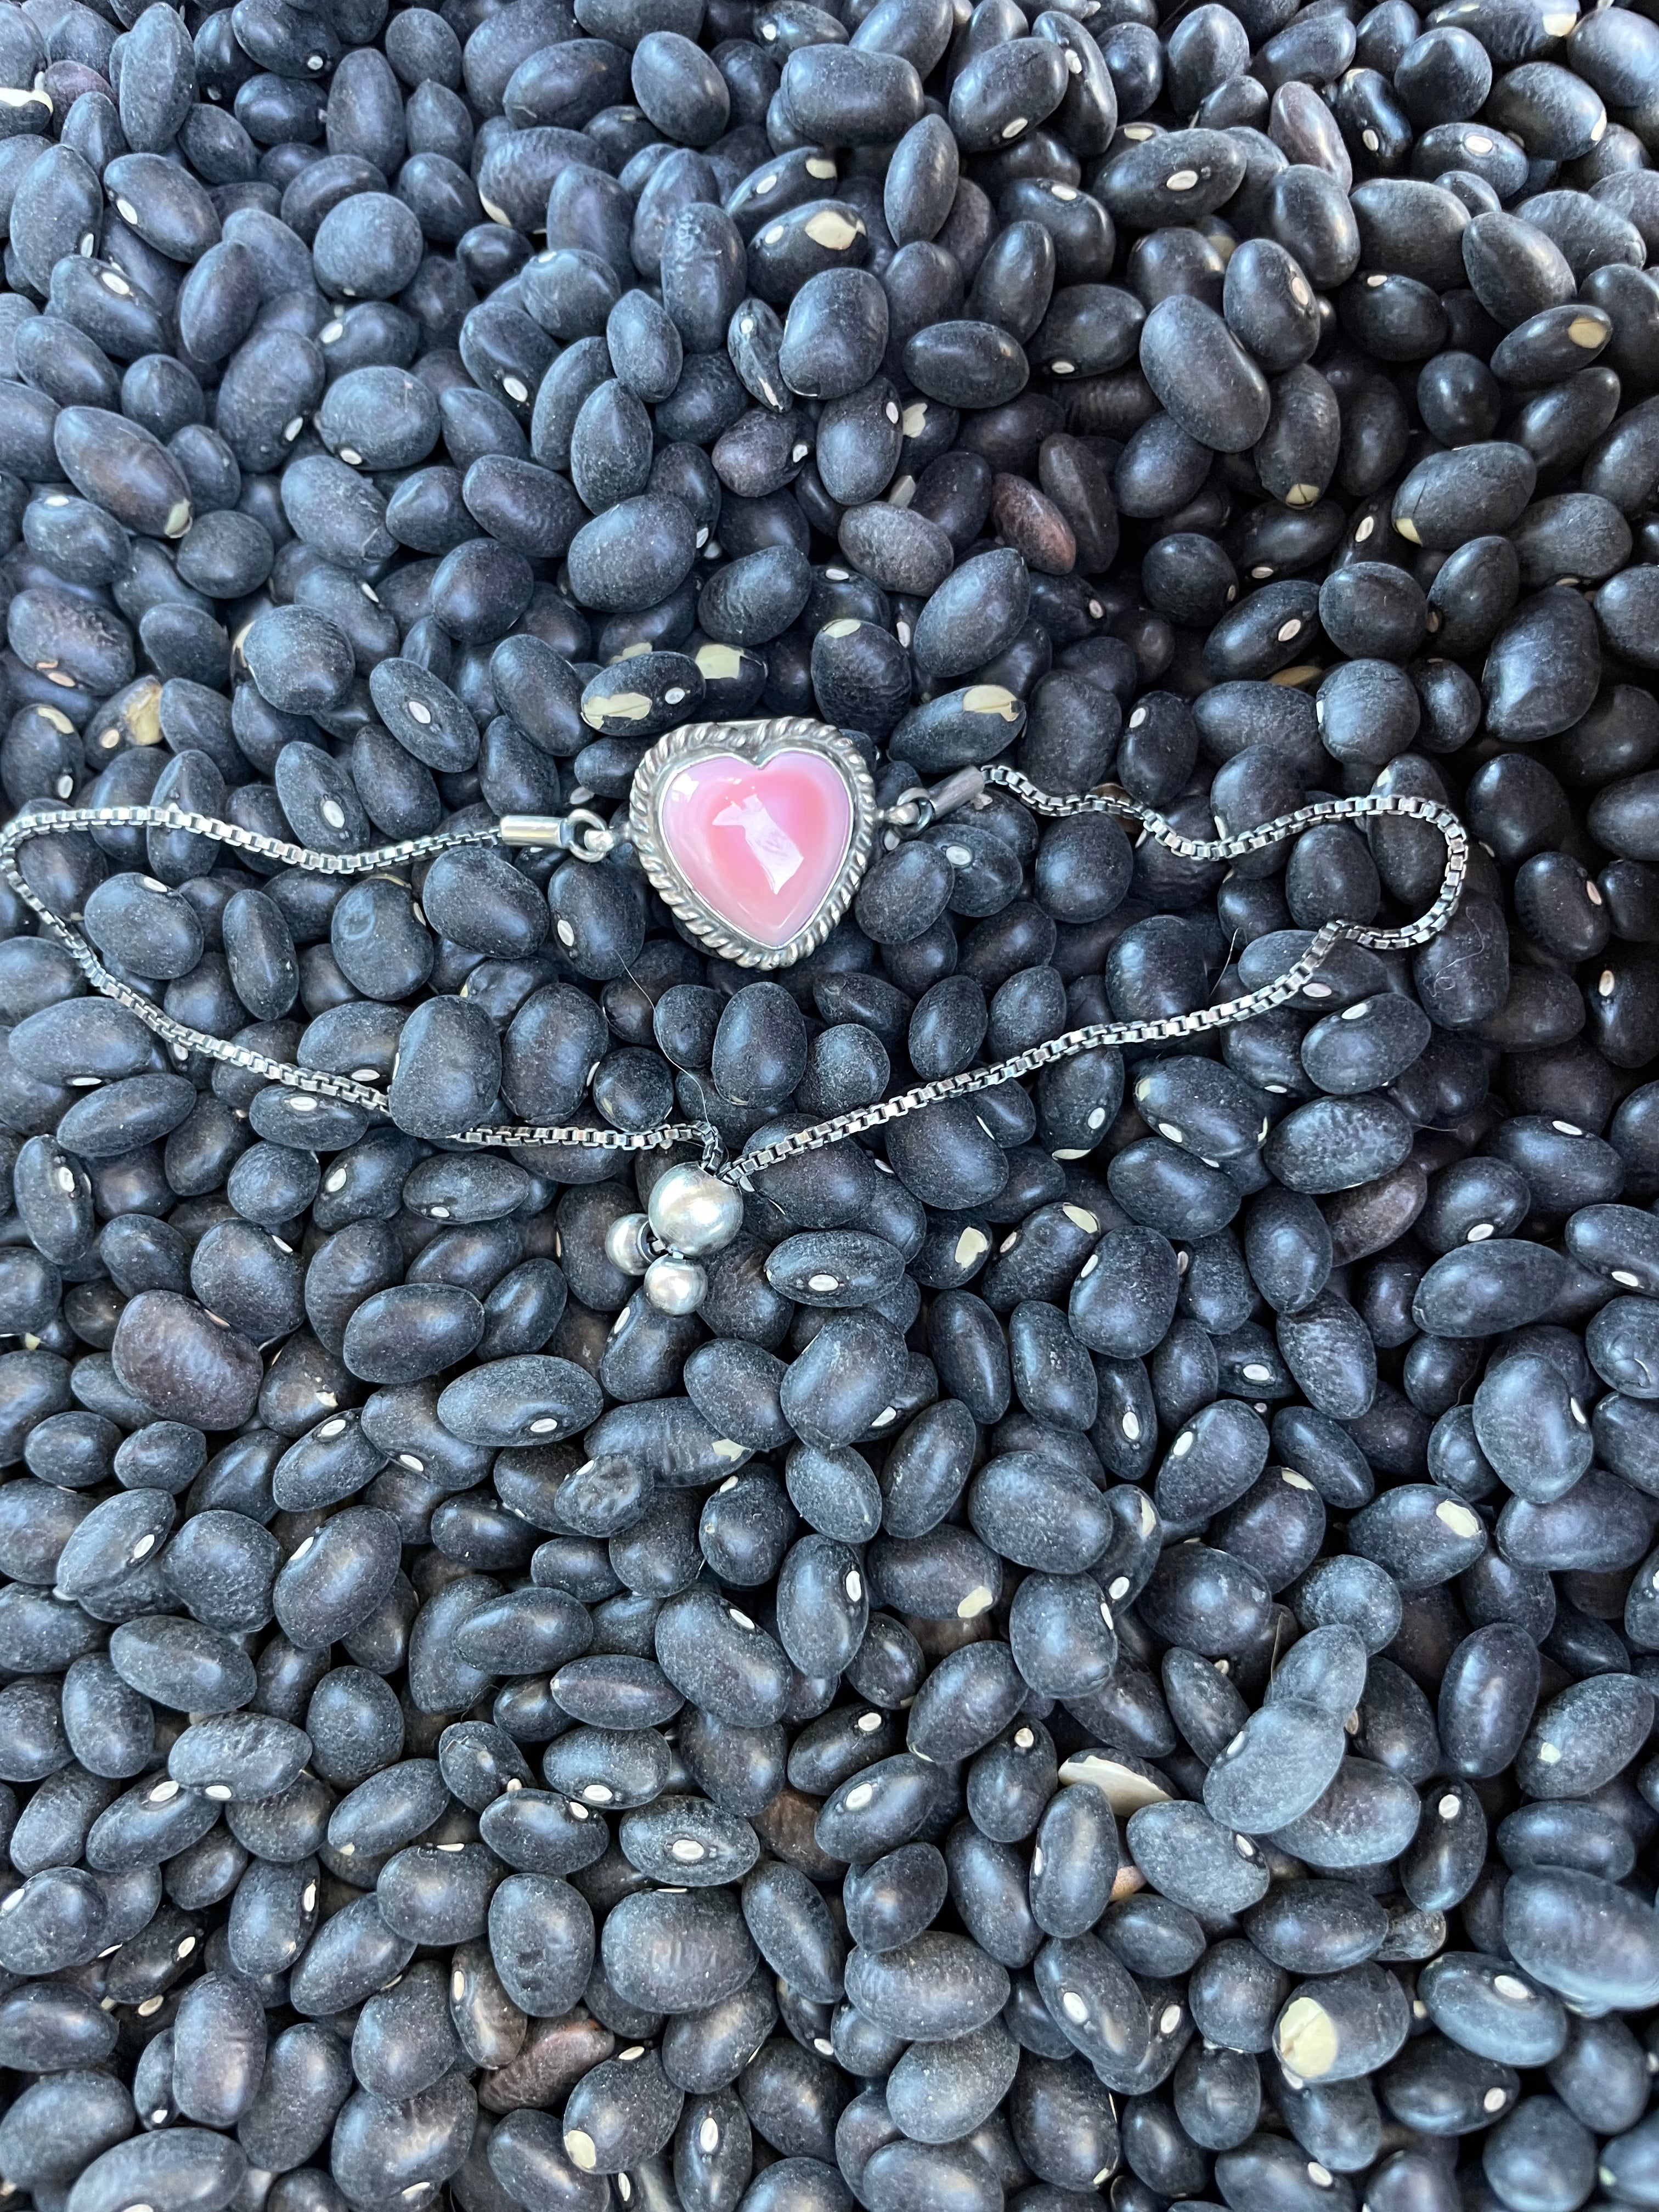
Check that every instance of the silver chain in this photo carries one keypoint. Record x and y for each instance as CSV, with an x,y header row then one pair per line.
x,y
183,1040
1278,992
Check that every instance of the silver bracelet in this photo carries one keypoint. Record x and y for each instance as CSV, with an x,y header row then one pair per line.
x,y
584,836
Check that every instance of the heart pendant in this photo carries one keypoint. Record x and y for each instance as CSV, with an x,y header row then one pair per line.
x,y
756,834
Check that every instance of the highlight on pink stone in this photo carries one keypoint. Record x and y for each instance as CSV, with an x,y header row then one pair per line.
x,y
762,844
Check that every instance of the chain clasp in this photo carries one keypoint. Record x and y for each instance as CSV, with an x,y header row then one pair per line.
x,y
918,808
581,833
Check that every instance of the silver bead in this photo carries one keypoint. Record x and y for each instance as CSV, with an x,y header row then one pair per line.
x,y
675,1286
694,1212
629,1243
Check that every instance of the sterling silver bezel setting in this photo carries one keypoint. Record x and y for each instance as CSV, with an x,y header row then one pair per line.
x,y
759,742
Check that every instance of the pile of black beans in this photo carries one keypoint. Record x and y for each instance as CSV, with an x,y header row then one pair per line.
x,y
1112,1659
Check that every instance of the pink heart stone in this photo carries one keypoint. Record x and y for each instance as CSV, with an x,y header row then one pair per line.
x,y
760,844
